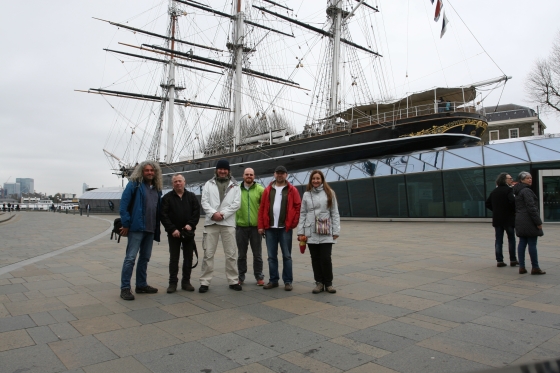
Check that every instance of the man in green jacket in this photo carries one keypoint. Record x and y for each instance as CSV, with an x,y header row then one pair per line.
x,y
246,231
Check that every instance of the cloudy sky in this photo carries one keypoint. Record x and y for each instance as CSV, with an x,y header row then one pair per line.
x,y
52,134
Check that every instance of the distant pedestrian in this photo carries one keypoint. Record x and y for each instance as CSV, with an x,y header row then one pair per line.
x,y
140,216
278,216
246,230
221,198
9,207
4,207
180,214
319,226
528,223
501,202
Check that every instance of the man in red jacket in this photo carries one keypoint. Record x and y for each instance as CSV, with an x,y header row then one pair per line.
x,y
278,216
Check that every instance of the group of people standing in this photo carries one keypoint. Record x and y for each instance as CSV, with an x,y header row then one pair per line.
x,y
516,212
240,214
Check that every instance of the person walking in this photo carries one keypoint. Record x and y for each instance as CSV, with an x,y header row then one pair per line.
x,y
278,216
221,198
246,230
528,223
501,202
319,226
180,214
140,217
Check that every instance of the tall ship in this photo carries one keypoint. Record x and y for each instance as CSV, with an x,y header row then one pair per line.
x,y
203,83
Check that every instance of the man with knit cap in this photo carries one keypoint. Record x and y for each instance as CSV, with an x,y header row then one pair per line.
x,y
221,198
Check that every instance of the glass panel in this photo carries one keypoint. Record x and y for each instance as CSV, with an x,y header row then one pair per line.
x,y
538,153
359,171
391,196
516,149
551,198
362,197
552,143
434,159
343,170
473,154
464,193
493,157
417,165
425,195
391,166
341,191
451,161
337,174
331,176
302,177
301,189
265,180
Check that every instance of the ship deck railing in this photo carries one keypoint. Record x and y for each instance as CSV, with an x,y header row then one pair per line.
x,y
389,118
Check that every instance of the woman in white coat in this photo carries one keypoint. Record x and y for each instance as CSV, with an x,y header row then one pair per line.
x,y
319,203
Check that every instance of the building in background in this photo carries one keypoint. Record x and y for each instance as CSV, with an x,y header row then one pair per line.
x,y
511,121
27,185
12,190
85,187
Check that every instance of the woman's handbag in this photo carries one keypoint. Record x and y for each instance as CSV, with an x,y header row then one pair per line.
x,y
322,226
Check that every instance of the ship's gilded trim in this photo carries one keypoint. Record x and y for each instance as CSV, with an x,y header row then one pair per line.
x,y
446,127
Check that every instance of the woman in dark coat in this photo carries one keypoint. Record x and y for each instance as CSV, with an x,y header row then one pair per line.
x,y
528,223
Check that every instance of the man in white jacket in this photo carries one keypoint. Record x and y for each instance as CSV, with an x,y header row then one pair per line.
x,y
221,198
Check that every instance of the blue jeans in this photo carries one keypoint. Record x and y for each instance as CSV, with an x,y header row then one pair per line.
x,y
137,242
275,236
510,231
532,241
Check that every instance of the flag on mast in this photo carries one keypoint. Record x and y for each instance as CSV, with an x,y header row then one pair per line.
x,y
443,25
439,5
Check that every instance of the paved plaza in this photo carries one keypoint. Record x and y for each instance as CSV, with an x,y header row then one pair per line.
x,y
411,297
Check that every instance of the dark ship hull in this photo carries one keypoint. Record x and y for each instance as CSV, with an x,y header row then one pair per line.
x,y
362,142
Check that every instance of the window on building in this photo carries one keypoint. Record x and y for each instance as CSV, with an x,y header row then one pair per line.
x,y
494,135
513,133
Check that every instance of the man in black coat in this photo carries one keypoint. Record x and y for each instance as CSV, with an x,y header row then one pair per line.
x,y
501,202
180,214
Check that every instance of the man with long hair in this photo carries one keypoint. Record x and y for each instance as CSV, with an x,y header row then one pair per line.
x,y
278,216
140,216
221,198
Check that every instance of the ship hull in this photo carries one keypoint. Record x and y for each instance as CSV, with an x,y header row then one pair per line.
x,y
402,136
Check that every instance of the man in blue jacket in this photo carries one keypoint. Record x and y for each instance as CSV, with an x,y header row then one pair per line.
x,y
140,216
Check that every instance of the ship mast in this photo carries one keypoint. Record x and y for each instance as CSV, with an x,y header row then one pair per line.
x,y
335,12
238,82
171,85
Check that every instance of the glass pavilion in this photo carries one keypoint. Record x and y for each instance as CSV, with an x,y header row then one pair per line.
x,y
440,183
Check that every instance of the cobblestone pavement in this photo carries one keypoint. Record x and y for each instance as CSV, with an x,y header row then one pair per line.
x,y
412,297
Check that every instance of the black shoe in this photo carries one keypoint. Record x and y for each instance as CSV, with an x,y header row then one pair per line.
x,y
236,287
172,288
502,264
203,289
187,286
146,289
514,263
126,294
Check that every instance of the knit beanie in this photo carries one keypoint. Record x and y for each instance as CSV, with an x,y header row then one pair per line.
x,y
222,163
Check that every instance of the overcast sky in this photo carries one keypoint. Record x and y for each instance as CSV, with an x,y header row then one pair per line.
x,y
54,135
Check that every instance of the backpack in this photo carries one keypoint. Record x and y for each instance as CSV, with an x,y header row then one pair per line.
x,y
117,223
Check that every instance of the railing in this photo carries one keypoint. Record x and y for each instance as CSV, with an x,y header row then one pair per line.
x,y
389,118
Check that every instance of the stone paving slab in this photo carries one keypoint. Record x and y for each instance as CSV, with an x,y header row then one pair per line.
x,y
411,297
